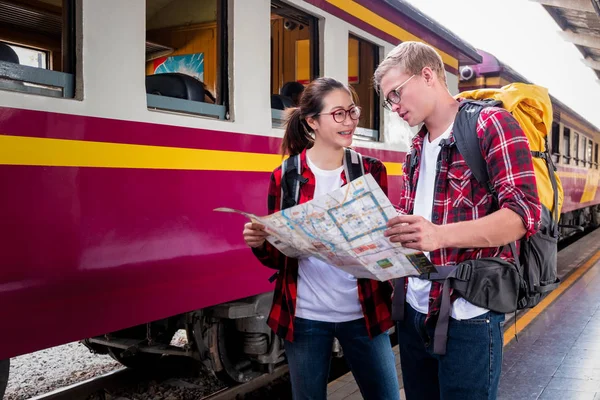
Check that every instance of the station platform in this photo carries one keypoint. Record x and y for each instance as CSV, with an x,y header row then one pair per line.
x,y
556,352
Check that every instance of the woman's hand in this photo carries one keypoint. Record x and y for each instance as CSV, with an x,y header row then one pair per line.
x,y
254,234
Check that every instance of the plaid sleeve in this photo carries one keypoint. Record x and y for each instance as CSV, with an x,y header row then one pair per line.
x,y
510,166
268,255
379,172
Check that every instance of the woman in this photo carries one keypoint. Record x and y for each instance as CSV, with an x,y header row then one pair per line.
x,y
315,302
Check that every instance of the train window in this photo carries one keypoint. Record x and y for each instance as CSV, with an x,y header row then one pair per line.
x,y
37,47
555,138
186,56
581,153
576,150
596,155
555,141
294,56
363,58
588,155
567,144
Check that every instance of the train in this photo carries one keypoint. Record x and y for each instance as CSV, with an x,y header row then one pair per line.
x,y
123,125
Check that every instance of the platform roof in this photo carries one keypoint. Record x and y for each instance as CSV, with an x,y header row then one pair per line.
x,y
579,21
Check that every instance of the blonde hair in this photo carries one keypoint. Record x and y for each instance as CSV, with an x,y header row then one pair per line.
x,y
411,58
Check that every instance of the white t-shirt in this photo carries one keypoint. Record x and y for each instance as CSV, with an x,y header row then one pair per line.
x,y
326,293
417,294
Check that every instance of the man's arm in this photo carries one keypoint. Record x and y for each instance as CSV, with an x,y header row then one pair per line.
x,y
497,229
511,171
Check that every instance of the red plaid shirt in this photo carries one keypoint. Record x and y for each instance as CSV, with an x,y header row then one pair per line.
x,y
374,296
459,197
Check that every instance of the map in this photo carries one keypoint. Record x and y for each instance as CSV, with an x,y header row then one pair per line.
x,y
344,228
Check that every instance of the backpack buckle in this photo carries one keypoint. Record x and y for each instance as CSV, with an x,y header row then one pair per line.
x,y
463,272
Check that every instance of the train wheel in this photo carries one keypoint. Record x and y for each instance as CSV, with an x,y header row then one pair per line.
x,y
226,347
4,370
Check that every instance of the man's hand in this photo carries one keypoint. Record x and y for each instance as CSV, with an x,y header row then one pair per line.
x,y
414,232
254,234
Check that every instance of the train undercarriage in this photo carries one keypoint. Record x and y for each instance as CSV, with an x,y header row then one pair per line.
x,y
230,339
579,220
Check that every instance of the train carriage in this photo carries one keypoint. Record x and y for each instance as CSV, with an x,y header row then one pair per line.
x,y
124,124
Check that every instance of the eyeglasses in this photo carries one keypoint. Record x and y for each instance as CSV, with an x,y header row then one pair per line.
x,y
339,116
393,97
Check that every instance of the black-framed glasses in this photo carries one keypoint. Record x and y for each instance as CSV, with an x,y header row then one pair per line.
x,y
339,116
393,97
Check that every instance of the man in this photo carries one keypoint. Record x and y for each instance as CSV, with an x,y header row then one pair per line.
x,y
452,218
292,90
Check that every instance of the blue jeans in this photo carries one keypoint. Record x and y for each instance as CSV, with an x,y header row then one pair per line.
x,y
469,370
370,360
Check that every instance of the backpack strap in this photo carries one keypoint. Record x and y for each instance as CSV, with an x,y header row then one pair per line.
x,y
291,178
545,155
353,165
465,127
414,161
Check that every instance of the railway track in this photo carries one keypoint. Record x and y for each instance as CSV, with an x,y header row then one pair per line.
x,y
248,387
128,377
83,390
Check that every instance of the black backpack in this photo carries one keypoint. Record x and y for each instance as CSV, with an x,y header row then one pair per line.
x,y
537,261
494,283
291,175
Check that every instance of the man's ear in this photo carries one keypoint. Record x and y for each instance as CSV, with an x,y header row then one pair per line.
x,y
428,75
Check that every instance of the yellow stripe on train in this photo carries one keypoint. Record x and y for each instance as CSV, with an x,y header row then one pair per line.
x,y
592,179
18,150
375,20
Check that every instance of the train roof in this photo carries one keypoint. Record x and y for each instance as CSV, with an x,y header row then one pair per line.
x,y
468,53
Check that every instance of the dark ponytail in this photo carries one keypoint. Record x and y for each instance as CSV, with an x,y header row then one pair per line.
x,y
298,134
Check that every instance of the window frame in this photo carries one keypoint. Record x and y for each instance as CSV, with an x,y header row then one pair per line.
x,y
59,84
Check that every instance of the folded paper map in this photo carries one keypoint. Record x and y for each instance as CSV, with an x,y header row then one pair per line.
x,y
344,228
